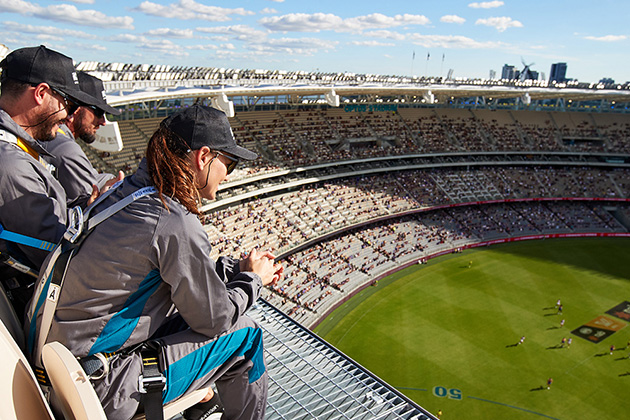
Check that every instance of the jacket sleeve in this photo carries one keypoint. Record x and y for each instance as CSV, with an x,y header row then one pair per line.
x,y
227,268
31,205
204,300
76,174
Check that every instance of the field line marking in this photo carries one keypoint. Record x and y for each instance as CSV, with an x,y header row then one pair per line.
x,y
511,406
579,364
412,389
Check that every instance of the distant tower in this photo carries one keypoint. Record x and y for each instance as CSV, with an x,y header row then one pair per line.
x,y
527,73
558,72
493,74
509,72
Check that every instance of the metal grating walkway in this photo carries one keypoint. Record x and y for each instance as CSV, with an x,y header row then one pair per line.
x,y
309,379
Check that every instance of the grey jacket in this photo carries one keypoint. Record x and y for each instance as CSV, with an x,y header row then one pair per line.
x,y
140,266
74,171
32,201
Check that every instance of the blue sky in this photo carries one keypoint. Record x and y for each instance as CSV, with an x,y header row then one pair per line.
x,y
377,37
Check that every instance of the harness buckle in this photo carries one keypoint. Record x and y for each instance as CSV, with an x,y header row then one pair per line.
x,y
153,383
75,225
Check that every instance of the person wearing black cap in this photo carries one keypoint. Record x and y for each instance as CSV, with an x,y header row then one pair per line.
x,y
73,169
145,275
39,89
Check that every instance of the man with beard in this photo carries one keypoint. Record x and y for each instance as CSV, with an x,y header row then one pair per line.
x,y
39,89
74,171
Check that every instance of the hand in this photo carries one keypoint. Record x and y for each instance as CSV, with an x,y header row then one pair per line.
x,y
96,193
278,274
261,263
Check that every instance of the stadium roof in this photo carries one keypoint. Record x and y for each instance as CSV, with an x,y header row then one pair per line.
x,y
309,379
145,92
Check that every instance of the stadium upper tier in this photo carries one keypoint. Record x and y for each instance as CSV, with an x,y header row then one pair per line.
x,y
287,139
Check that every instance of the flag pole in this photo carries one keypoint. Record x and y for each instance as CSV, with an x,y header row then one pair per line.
x,y
413,57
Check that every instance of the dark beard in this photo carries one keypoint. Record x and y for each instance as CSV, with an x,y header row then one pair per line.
x,y
88,138
43,132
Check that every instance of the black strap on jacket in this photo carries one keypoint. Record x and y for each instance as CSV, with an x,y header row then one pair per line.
x,y
152,382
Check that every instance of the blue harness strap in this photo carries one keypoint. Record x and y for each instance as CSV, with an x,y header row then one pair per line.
x,y
25,240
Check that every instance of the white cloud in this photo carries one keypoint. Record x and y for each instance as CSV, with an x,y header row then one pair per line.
x,y
160,46
86,47
82,1
316,22
382,33
163,46
372,43
202,47
217,38
452,41
128,38
607,38
190,9
486,4
46,30
66,13
377,20
500,23
292,46
48,37
268,11
452,19
171,33
241,32
19,6
302,22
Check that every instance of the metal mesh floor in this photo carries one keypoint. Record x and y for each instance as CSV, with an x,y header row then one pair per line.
x,y
309,379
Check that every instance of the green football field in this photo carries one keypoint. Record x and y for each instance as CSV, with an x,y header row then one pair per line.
x,y
446,335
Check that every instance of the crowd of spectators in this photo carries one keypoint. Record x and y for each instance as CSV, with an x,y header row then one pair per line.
x,y
304,137
287,220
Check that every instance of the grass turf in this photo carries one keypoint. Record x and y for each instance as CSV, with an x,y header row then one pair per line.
x,y
443,330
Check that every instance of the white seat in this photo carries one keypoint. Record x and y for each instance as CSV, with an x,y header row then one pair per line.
x,y
20,395
71,384
77,396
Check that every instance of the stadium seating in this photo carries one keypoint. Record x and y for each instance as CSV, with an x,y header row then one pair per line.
x,y
289,138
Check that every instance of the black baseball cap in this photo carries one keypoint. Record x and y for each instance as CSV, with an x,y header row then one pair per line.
x,y
37,65
93,86
202,126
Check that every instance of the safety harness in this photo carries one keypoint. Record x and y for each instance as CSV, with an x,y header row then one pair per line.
x,y
152,382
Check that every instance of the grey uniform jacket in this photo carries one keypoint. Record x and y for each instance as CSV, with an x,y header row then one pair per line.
x,y
74,171
32,201
140,265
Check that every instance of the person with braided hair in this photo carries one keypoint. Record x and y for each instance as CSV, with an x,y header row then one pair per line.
x,y
144,276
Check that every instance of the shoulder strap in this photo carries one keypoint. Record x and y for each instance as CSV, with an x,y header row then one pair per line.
x,y
52,278
25,240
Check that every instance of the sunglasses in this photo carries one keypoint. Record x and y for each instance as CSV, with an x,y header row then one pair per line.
x,y
98,113
69,104
230,166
